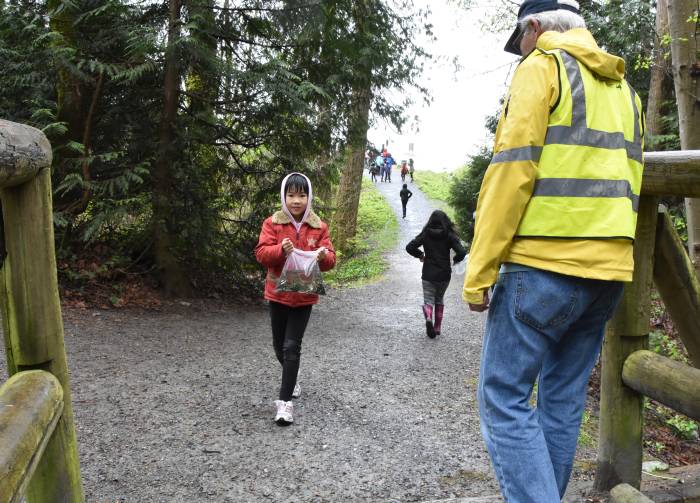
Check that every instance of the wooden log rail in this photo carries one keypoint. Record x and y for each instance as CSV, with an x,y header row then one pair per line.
x,y
625,493
667,381
678,285
672,173
31,404
31,310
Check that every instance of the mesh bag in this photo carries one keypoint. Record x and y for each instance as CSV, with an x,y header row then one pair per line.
x,y
301,273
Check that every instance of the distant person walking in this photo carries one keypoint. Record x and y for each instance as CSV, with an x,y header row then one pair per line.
x,y
437,238
373,171
379,163
294,226
404,170
411,169
405,195
389,162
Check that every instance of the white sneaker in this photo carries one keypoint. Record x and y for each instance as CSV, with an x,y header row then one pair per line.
x,y
297,391
284,412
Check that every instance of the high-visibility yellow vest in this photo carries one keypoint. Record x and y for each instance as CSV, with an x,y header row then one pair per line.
x,y
590,167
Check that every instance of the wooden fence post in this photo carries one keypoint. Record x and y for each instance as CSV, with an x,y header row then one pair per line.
x,y
31,313
621,408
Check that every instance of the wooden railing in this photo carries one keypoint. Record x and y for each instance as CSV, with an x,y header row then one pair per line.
x,y
629,371
38,446
31,403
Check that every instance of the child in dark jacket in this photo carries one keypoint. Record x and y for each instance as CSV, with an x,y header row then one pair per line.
x,y
294,226
437,238
405,195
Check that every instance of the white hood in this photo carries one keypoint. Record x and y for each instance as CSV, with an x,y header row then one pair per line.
x,y
297,225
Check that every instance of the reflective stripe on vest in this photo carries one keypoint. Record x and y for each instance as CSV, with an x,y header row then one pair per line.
x,y
518,154
588,180
573,187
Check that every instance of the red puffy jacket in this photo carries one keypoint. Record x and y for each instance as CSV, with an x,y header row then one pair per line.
x,y
312,236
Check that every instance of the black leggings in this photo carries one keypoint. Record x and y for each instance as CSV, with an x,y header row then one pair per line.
x,y
288,326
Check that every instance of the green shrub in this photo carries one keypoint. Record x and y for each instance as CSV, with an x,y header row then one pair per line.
x,y
683,427
663,344
464,192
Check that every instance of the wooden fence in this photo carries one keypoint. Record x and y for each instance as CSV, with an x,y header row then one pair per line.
x,y
38,446
629,371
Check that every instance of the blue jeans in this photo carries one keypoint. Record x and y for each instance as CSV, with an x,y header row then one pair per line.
x,y
549,325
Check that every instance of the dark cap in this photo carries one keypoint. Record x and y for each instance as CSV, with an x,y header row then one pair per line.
x,y
533,7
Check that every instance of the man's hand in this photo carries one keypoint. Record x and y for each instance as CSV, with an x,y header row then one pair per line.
x,y
322,252
287,246
480,308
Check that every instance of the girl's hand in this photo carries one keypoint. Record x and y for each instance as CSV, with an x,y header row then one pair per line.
x,y
322,252
287,246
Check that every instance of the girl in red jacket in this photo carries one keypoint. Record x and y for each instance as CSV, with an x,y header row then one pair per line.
x,y
295,226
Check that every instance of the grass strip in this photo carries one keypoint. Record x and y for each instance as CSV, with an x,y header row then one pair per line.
x,y
436,186
377,232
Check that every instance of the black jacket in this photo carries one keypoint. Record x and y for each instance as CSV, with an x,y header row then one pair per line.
x,y
437,244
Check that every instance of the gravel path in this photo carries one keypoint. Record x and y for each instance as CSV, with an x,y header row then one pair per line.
x,y
176,406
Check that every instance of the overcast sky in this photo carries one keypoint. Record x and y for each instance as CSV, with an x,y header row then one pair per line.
x,y
452,127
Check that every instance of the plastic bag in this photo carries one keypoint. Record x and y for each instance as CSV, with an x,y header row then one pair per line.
x,y
301,273
460,268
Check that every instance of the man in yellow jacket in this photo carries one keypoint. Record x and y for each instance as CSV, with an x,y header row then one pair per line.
x,y
555,225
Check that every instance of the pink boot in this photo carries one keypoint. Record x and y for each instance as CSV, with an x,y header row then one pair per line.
x,y
428,313
439,310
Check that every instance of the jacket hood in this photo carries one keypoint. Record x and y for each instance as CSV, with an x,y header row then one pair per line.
x,y
581,45
285,210
436,232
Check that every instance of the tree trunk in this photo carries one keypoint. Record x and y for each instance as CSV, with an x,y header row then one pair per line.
x,y
87,141
203,81
348,199
660,72
171,273
70,91
686,70
327,159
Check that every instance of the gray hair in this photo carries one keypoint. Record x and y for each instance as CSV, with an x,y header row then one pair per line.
x,y
555,20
